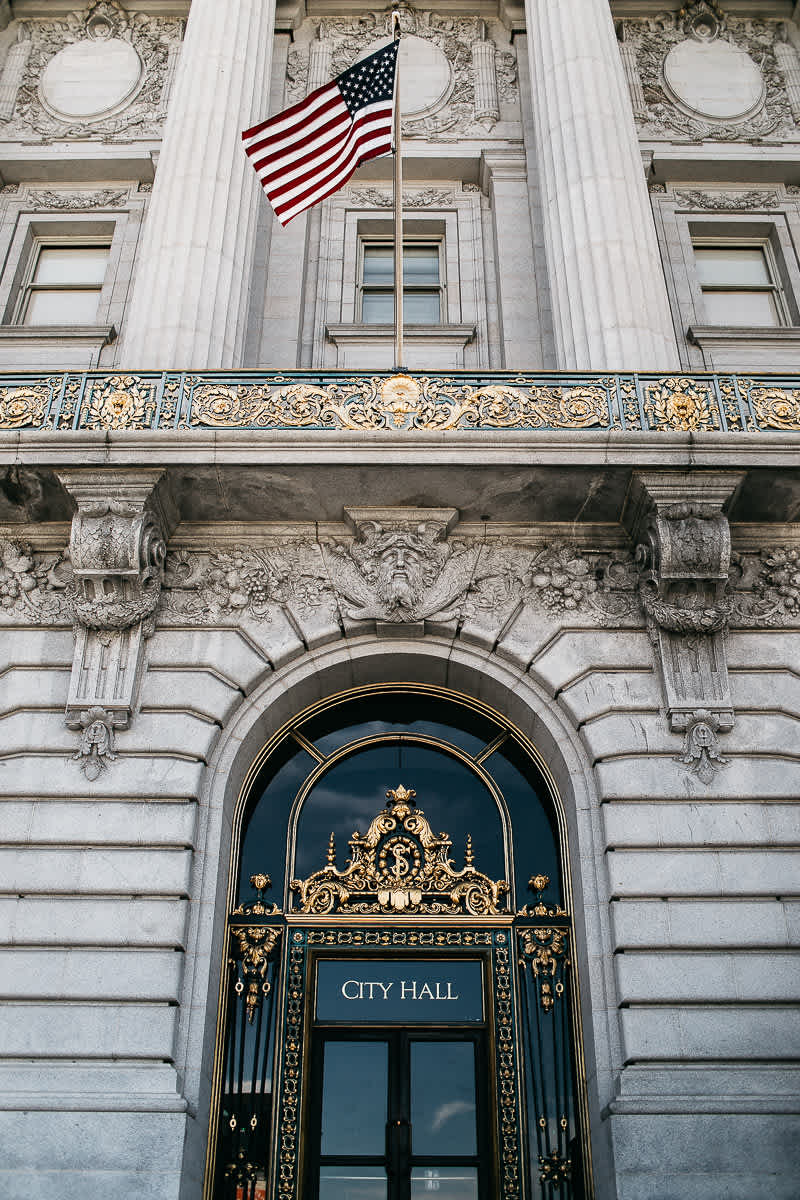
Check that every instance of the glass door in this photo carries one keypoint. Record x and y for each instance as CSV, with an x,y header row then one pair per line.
x,y
398,1116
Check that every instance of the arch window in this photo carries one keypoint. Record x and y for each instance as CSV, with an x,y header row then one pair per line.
x,y
400,966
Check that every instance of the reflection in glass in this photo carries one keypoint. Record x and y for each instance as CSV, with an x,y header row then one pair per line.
x,y
444,1183
352,1183
443,1098
354,1088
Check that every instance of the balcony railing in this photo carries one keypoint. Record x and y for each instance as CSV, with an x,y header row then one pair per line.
x,y
364,401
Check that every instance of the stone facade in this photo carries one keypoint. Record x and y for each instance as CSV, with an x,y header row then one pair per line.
x,y
196,544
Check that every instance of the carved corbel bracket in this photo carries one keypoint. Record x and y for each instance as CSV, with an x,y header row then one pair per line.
x,y
683,551
117,548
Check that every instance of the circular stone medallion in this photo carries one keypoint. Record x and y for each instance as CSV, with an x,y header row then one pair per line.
x,y
90,79
714,79
425,76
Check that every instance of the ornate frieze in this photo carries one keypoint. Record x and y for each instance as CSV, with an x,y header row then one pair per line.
x,y
471,67
125,56
707,75
399,567
46,200
420,198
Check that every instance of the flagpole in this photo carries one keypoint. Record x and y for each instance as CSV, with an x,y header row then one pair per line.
x,y
398,207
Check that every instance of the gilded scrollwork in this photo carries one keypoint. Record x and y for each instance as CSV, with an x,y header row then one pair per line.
x,y
545,950
400,865
776,407
20,406
400,402
256,945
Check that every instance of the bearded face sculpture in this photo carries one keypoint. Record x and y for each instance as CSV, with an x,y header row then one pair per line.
x,y
401,571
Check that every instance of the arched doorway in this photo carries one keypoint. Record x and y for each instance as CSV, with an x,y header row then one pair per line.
x,y
399,1017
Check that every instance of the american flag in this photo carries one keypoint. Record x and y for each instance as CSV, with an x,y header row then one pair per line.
x,y
311,149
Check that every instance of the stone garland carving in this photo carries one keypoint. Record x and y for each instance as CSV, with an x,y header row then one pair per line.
x,y
49,201
96,747
401,573
755,198
152,38
251,582
466,108
700,751
426,198
36,588
651,40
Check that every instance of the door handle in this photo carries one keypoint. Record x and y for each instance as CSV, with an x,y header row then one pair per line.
x,y
398,1144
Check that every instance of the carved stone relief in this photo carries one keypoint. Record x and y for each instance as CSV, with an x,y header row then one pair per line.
x,y
399,568
127,59
45,200
425,198
476,57
117,552
752,98
728,201
684,556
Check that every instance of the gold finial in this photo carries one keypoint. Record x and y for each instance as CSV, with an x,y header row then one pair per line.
x,y
332,851
261,882
400,795
469,857
537,883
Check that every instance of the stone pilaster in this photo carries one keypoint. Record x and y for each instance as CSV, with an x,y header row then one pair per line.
x,y
192,286
606,279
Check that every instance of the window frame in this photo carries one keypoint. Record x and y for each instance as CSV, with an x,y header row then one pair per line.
x,y
29,287
366,240
774,288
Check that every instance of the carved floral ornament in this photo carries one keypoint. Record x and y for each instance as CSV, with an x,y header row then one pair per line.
x,y
470,75
130,54
400,865
705,74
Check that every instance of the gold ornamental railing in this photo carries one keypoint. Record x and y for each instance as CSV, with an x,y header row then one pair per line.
x,y
339,400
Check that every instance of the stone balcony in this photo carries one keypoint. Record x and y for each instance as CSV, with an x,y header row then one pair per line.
x,y
504,447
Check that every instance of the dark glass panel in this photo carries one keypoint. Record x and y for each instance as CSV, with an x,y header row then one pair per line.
x,y
396,712
264,833
535,843
355,1083
443,1099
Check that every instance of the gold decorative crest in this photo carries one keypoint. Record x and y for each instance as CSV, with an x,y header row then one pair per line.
x,y
681,404
400,865
22,406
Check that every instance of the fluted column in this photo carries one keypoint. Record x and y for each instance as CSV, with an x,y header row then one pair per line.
x,y
192,282
606,279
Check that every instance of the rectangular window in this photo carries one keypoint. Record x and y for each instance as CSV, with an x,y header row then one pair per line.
x,y
64,284
738,282
422,283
